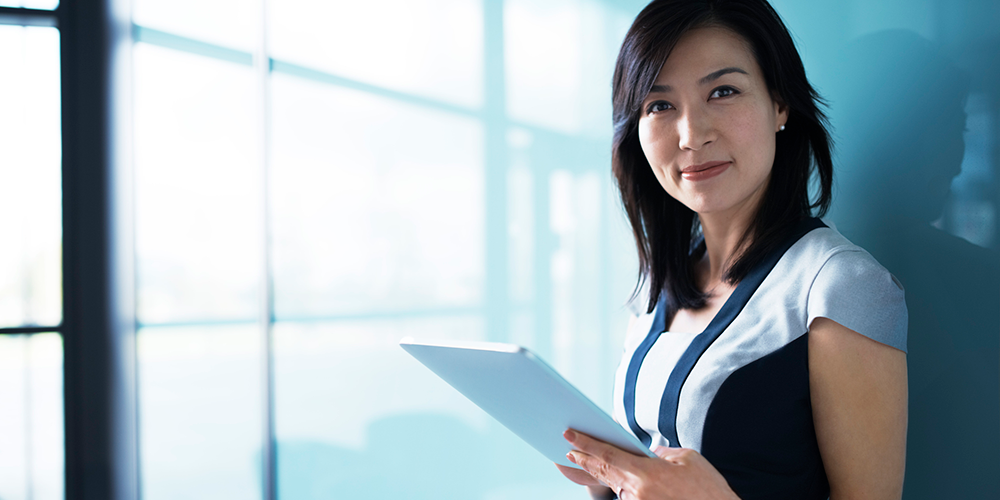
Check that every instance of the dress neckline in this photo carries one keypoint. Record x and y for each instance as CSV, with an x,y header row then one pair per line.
x,y
701,342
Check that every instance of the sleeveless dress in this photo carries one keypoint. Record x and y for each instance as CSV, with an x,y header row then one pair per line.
x,y
738,392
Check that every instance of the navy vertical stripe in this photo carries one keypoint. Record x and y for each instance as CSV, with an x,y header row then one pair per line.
x,y
659,325
741,295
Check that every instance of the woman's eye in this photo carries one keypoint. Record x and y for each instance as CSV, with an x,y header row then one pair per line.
x,y
723,92
657,106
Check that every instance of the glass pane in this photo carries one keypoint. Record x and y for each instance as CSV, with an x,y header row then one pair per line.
x,y
433,48
229,23
201,408
30,177
353,409
198,215
580,308
571,262
559,56
521,228
377,204
31,4
31,417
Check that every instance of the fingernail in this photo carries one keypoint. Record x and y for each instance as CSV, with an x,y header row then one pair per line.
x,y
569,456
570,436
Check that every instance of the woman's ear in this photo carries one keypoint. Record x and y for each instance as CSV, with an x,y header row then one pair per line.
x,y
781,115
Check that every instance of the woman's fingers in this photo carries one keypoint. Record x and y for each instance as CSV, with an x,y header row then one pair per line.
x,y
603,461
578,476
608,453
599,469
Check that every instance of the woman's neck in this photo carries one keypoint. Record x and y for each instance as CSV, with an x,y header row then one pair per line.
x,y
722,233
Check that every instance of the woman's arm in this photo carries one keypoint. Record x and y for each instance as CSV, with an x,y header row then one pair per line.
x,y
859,396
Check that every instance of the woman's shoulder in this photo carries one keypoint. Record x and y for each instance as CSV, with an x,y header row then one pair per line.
x,y
814,249
639,300
641,321
850,287
824,251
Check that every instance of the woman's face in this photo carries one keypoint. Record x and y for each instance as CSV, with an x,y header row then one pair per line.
x,y
708,126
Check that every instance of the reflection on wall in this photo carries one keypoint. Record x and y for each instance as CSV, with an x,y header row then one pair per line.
x,y
900,115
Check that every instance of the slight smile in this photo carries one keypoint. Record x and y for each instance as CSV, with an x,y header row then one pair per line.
x,y
705,170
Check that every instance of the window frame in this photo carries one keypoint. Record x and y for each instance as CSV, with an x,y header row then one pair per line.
x,y
101,446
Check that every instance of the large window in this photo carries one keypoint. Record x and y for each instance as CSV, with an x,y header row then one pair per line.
x,y
310,189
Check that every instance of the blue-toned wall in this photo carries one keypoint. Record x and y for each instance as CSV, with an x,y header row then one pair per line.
x,y
914,92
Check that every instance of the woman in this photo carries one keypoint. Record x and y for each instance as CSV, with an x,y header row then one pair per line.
x,y
766,357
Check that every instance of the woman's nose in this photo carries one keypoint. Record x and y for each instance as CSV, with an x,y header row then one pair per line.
x,y
694,130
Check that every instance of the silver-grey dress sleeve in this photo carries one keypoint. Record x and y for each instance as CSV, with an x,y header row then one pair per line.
x,y
853,289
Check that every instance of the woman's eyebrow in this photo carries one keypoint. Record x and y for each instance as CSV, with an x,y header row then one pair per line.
x,y
715,75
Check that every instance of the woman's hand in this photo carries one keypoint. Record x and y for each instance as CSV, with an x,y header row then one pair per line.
x,y
679,473
597,489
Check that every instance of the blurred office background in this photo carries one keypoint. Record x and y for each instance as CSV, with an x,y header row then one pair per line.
x,y
221,216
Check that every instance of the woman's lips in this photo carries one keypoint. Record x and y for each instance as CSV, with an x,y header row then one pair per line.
x,y
705,170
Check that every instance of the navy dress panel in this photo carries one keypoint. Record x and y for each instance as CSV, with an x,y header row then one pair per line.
x,y
759,429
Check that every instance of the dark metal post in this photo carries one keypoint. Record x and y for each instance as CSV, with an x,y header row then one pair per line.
x,y
98,332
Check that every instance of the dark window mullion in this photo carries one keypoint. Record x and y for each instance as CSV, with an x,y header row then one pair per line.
x,y
19,16
21,330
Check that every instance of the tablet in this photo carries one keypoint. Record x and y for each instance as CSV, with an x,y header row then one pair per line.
x,y
523,393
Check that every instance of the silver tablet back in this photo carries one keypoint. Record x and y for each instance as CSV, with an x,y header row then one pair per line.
x,y
523,393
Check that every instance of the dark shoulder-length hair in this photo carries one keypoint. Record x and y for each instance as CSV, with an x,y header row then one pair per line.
x,y
665,229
